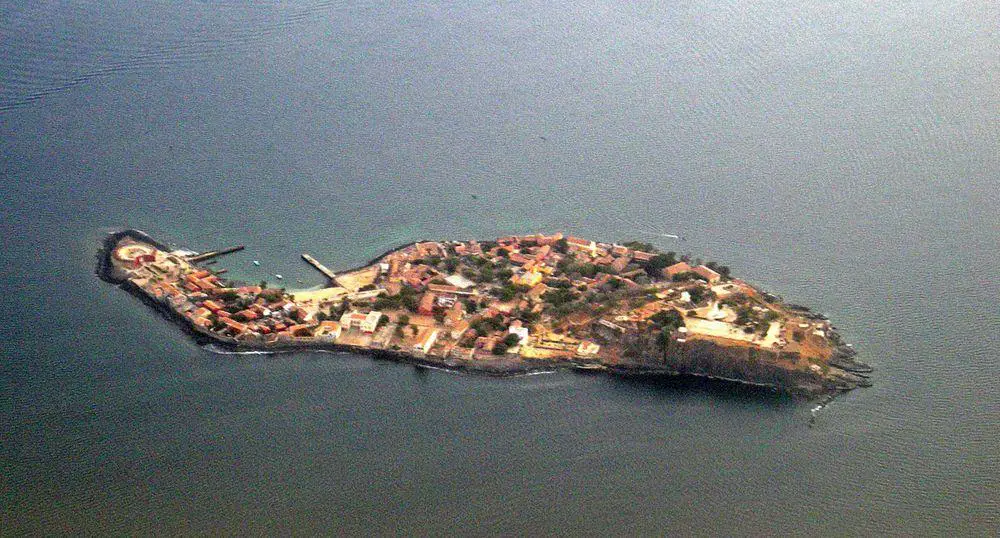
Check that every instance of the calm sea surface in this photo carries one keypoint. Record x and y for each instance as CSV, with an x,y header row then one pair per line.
x,y
844,154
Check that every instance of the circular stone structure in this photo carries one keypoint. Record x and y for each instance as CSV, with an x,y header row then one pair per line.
x,y
130,253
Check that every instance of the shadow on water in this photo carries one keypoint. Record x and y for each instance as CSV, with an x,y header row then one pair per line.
x,y
421,374
693,386
630,386
642,387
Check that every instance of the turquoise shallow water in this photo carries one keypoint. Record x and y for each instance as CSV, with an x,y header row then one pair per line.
x,y
843,155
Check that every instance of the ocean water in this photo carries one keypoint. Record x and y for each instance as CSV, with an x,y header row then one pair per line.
x,y
845,155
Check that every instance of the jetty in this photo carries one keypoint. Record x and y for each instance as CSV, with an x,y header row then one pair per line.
x,y
214,254
319,266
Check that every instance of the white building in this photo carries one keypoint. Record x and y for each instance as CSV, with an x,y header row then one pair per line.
x,y
354,320
426,341
371,321
521,332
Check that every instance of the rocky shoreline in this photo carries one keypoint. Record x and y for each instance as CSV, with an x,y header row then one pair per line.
x,y
706,360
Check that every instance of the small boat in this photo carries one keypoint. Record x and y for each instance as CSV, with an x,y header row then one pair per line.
x,y
255,262
279,277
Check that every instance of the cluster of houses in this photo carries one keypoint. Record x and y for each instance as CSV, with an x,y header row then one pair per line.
x,y
466,299
210,304
533,263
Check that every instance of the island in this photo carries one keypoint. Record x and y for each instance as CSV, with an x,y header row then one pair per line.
x,y
513,305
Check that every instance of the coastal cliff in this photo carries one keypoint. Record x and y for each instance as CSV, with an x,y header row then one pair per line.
x,y
741,364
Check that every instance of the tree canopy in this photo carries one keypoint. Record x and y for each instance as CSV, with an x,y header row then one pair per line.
x,y
655,266
667,319
640,246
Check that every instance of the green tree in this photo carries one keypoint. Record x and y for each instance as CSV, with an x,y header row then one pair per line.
x,y
486,274
655,266
512,340
698,294
723,270
663,339
667,319
744,315
410,302
588,270
640,246
559,296
485,325
509,291
271,295
686,276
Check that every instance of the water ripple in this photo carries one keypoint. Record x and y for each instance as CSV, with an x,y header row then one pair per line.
x,y
49,54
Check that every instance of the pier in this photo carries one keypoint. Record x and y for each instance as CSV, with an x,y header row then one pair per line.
x,y
215,253
319,266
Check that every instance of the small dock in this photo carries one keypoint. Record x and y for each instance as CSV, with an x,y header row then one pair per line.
x,y
215,253
319,266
